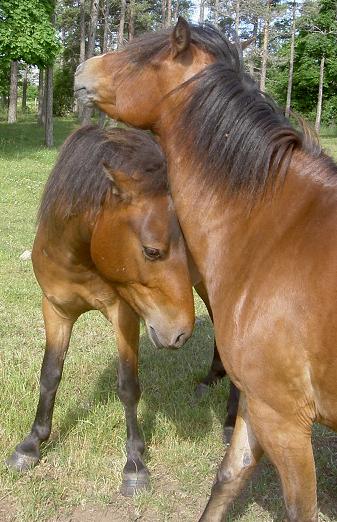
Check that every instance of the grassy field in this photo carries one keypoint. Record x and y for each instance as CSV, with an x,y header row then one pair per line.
x,y
80,473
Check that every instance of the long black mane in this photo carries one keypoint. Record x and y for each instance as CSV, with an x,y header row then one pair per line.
x,y
78,183
239,137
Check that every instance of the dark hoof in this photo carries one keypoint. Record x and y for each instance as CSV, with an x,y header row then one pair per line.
x,y
201,390
21,462
135,482
227,434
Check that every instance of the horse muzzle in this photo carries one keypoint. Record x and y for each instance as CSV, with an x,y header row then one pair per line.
x,y
82,88
172,342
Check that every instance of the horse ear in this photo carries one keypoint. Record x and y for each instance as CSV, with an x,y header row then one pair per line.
x,y
120,181
181,37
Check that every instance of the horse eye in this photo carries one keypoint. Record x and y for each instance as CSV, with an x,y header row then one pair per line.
x,y
151,253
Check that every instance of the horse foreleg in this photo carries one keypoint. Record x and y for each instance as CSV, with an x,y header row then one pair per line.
x,y
215,374
58,331
135,473
237,465
216,371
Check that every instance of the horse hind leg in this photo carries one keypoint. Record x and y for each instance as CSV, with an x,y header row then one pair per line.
x,y
239,462
287,442
288,445
58,331
126,324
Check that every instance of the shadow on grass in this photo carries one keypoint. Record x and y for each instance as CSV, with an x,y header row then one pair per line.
x,y
168,381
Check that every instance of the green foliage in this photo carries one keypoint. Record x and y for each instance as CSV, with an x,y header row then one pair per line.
x,y
317,37
26,32
63,91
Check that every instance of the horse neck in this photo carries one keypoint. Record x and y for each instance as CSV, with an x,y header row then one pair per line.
x,y
67,242
222,234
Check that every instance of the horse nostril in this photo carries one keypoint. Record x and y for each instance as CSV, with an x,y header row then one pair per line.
x,y
180,340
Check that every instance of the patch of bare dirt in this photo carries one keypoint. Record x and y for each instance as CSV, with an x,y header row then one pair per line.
x,y
7,509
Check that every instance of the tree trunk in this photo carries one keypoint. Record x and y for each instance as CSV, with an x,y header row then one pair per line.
x,y
216,13
163,12
82,31
87,111
320,96
265,48
101,118
169,13
131,20
106,27
24,89
176,11
237,18
93,28
13,93
121,25
291,61
78,105
40,110
48,127
202,12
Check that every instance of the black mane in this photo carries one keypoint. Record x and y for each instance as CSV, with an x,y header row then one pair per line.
x,y
78,183
239,137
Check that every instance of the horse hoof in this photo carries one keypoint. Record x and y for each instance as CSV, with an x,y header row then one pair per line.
x,y
227,434
20,462
200,390
134,483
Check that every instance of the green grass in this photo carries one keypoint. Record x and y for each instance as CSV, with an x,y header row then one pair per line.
x,y
82,463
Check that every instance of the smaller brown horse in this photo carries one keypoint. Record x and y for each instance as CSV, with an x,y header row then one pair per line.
x,y
108,239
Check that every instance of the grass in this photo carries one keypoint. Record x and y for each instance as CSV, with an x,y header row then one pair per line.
x,y
80,471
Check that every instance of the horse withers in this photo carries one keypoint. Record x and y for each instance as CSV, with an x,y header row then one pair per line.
x,y
257,203
108,239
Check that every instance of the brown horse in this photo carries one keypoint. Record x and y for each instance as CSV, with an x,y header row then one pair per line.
x,y
108,239
257,203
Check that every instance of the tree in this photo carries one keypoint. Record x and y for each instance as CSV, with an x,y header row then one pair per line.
x,y
24,88
82,31
48,101
131,19
121,24
93,28
291,59
40,112
13,92
320,95
314,80
27,34
202,11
